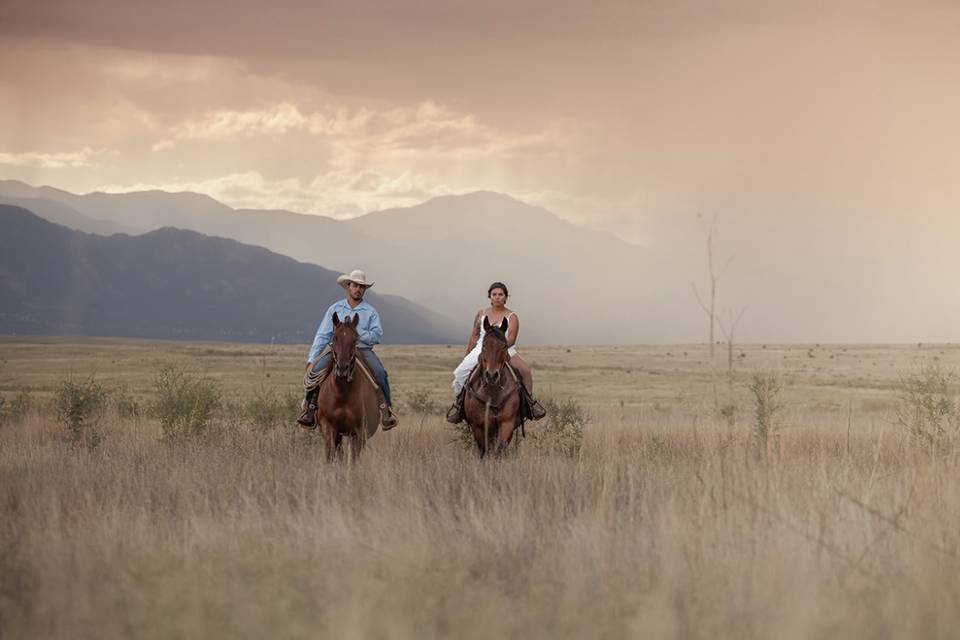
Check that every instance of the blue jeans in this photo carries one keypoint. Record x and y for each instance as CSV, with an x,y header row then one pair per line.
x,y
372,361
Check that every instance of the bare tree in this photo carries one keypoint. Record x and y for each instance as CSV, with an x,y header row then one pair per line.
x,y
710,308
728,335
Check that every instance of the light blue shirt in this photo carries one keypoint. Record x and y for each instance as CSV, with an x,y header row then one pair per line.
x,y
369,328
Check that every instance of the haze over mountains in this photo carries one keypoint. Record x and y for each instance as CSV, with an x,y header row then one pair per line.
x,y
802,277
442,254
172,283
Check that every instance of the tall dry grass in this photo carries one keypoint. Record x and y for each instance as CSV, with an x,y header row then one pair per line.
x,y
668,523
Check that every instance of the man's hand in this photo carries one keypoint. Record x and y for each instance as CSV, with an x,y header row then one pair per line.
x,y
309,364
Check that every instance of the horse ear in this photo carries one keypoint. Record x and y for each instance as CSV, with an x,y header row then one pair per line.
x,y
356,320
503,325
486,324
336,319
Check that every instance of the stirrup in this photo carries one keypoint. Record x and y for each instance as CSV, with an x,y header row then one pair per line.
x,y
455,413
536,410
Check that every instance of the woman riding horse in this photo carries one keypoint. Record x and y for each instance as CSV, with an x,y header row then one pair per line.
x,y
492,404
495,314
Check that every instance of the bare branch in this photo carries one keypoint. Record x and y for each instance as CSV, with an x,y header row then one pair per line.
x,y
696,294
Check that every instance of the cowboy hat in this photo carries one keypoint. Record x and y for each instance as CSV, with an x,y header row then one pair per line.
x,y
357,276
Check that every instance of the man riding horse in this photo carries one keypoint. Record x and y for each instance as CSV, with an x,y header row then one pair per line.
x,y
370,333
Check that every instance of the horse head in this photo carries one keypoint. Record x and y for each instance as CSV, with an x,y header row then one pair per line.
x,y
493,353
344,346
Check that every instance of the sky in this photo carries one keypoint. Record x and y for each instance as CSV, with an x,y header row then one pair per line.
x,y
625,116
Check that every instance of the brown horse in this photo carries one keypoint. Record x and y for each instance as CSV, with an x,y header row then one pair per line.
x,y
347,404
492,402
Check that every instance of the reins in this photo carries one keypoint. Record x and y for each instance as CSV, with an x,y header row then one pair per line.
x,y
494,407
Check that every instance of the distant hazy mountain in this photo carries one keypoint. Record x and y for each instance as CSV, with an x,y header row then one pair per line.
x,y
172,283
307,238
804,275
564,279
442,254
63,214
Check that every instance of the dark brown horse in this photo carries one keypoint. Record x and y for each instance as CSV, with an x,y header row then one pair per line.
x,y
492,403
348,403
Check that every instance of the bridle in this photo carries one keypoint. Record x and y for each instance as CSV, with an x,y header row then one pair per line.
x,y
350,366
493,388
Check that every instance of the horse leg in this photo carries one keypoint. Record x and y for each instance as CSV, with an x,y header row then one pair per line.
x,y
358,439
478,438
505,434
331,440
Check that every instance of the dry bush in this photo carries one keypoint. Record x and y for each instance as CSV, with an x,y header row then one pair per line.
x,y
185,403
269,408
562,429
80,404
929,406
125,404
766,388
14,409
463,436
420,402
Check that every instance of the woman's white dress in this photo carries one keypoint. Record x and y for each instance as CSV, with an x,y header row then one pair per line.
x,y
462,372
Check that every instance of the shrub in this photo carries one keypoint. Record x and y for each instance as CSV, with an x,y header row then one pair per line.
x,y
126,405
463,436
765,388
420,403
80,405
928,406
729,413
562,429
267,408
13,410
185,403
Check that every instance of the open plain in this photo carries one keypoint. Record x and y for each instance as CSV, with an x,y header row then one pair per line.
x,y
661,504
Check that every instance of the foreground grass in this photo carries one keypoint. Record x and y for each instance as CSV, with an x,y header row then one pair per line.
x,y
657,528
670,522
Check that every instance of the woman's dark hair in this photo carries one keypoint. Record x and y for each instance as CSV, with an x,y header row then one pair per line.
x,y
498,285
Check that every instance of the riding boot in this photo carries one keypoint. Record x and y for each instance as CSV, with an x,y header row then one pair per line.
x,y
387,418
309,416
532,408
455,413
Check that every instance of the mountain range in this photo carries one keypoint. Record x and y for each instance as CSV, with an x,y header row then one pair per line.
x,y
441,254
816,276
172,283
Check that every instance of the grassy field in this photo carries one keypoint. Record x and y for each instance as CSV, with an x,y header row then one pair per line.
x,y
669,518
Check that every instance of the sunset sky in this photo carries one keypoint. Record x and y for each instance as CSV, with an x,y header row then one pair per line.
x,y
617,114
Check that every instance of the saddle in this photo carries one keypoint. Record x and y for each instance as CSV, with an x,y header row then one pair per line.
x,y
313,380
